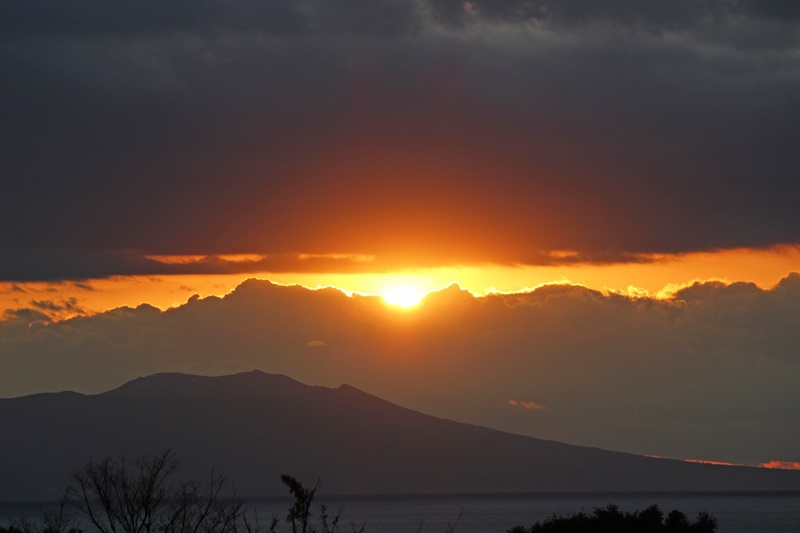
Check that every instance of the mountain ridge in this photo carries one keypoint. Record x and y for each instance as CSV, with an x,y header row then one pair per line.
x,y
167,383
254,426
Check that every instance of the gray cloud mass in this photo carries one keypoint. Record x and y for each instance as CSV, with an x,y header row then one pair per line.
x,y
289,127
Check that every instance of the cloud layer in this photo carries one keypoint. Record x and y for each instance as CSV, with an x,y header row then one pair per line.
x,y
709,374
424,131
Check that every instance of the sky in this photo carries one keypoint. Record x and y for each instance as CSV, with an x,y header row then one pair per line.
x,y
611,184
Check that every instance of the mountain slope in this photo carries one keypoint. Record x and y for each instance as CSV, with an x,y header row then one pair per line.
x,y
255,426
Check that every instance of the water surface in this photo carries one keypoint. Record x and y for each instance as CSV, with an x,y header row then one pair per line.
x,y
737,512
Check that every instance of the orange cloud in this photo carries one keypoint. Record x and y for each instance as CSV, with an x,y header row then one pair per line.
x,y
316,344
532,406
709,462
781,465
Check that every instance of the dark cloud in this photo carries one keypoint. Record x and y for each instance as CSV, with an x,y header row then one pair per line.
x,y
625,13
12,288
60,308
710,373
24,315
49,309
436,131
682,16
151,18
783,10
57,266
378,18
48,305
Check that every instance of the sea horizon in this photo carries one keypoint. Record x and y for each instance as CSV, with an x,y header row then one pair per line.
x,y
736,511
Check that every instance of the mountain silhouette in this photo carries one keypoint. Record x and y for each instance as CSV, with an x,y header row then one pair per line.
x,y
254,426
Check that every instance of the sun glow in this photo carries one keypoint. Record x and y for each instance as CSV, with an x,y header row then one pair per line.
x,y
658,279
403,295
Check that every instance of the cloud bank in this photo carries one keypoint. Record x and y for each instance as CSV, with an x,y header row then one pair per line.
x,y
425,131
709,374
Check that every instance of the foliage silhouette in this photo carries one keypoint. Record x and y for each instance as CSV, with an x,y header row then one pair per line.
x,y
299,515
611,520
300,511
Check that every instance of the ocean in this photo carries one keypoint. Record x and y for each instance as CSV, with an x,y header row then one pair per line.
x,y
736,512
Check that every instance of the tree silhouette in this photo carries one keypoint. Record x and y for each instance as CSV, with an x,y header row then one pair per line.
x,y
57,521
118,497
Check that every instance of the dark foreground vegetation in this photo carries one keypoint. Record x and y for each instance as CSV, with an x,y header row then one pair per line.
x,y
119,496
611,520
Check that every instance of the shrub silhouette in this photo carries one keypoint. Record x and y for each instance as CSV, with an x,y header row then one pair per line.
x,y
611,520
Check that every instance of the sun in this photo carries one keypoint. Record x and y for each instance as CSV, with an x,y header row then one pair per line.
x,y
403,295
